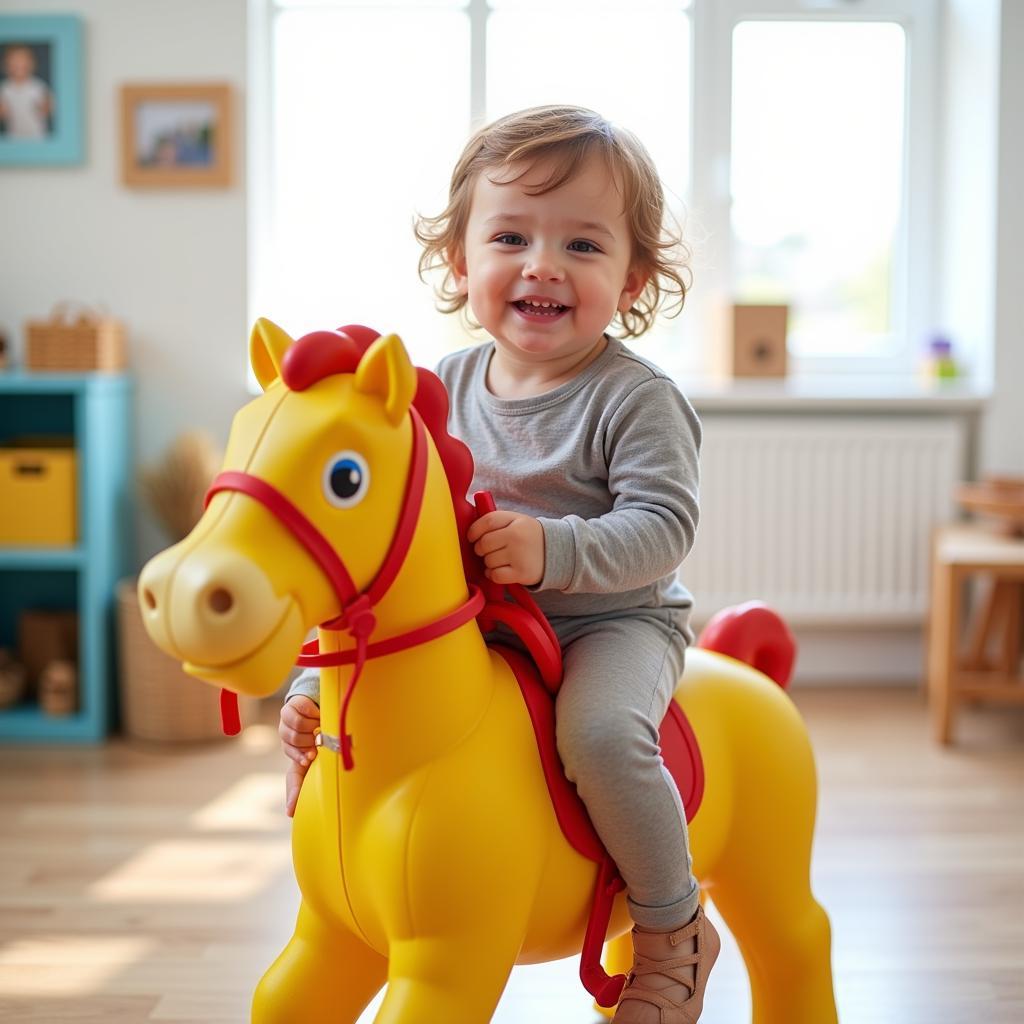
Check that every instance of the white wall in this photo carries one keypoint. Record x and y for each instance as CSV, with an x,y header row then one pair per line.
x,y
982,211
172,264
1003,435
966,209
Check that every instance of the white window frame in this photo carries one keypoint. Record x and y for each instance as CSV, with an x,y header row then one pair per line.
x,y
915,260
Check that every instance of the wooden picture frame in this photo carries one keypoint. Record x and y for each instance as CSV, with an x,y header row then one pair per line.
x,y
176,135
41,90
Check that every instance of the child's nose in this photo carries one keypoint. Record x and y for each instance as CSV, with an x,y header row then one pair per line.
x,y
543,266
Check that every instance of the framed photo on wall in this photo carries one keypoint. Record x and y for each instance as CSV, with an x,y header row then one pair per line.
x,y
41,90
176,135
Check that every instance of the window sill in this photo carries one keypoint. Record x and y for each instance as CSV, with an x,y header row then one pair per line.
x,y
834,393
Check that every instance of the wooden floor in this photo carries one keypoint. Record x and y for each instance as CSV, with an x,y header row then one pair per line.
x,y
138,884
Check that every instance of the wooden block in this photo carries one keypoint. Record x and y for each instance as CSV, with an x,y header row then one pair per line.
x,y
757,346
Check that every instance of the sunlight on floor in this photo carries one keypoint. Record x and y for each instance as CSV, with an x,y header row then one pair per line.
x,y
258,738
254,803
67,965
195,871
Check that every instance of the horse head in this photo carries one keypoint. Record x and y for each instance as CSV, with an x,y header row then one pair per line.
x,y
303,515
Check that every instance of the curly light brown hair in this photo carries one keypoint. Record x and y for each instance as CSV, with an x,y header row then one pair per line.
x,y
563,137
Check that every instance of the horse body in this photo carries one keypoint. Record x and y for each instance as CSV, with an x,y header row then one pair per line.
x,y
438,862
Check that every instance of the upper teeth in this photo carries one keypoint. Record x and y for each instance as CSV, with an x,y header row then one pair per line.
x,y
545,305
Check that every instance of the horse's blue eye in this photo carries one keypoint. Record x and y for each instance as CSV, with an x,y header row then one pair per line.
x,y
345,479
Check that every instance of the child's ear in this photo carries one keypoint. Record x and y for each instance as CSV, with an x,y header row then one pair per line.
x,y
636,281
456,257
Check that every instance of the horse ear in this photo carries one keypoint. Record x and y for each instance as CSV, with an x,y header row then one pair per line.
x,y
387,372
267,346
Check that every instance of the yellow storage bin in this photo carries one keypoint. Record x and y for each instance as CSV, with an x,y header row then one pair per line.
x,y
38,502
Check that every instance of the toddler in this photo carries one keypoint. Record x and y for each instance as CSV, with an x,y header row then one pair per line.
x,y
555,229
25,99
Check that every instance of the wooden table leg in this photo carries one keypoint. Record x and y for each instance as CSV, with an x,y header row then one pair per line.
x,y
1011,647
944,635
980,631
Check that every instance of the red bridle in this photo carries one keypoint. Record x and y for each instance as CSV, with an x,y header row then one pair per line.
x,y
356,617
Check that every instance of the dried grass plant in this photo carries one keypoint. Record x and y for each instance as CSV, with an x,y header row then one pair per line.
x,y
175,486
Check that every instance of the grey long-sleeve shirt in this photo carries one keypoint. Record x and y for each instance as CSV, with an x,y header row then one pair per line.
x,y
608,462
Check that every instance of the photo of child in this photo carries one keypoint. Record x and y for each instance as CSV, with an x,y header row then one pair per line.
x,y
26,99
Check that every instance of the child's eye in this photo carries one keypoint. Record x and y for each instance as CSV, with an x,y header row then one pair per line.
x,y
510,238
582,245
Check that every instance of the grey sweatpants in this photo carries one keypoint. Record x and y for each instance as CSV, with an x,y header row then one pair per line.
x,y
620,673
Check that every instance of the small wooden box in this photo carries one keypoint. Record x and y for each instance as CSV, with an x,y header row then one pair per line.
x,y
89,342
38,495
757,343
46,636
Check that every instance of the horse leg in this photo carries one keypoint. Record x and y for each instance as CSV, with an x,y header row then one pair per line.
x,y
323,973
471,922
762,889
439,978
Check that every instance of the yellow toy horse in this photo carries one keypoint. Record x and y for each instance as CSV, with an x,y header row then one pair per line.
x,y
426,844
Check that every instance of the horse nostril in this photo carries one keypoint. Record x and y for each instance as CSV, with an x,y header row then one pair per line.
x,y
221,601
149,599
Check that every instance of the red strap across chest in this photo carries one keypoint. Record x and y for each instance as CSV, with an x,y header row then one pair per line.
x,y
356,608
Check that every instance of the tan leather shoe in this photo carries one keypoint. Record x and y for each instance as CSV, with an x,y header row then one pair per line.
x,y
669,975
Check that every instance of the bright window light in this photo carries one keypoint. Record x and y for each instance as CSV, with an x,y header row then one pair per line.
x,y
817,179
568,63
370,106
805,179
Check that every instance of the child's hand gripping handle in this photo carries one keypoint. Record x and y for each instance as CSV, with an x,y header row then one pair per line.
x,y
521,614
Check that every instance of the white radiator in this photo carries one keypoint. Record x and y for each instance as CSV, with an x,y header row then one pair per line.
x,y
827,518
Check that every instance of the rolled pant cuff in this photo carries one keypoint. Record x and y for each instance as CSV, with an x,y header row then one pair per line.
x,y
669,917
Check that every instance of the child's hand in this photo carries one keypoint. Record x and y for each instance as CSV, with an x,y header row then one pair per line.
x,y
511,545
300,718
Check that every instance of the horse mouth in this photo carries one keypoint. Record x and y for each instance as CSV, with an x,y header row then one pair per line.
x,y
260,670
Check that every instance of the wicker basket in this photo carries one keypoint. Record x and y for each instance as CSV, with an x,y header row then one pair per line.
x,y
158,700
90,341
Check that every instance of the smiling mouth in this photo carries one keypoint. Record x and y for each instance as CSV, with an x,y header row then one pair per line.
x,y
538,311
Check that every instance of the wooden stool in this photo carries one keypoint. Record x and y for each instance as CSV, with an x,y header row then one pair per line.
x,y
958,671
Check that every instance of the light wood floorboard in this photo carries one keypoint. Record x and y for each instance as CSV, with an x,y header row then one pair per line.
x,y
141,884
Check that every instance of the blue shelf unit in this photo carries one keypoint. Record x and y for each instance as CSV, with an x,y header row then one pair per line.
x,y
96,410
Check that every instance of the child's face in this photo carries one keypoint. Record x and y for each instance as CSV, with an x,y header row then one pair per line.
x,y
570,248
19,63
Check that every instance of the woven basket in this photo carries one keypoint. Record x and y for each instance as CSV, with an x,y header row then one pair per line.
x,y
90,341
158,700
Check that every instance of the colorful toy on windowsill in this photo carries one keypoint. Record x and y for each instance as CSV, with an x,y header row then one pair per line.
x,y
939,362
435,841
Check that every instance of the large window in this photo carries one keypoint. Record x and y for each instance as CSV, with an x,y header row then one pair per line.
x,y
792,136
817,179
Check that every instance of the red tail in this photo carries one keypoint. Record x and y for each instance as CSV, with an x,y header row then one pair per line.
x,y
754,634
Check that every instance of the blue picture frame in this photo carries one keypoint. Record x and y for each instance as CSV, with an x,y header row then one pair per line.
x,y
49,52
